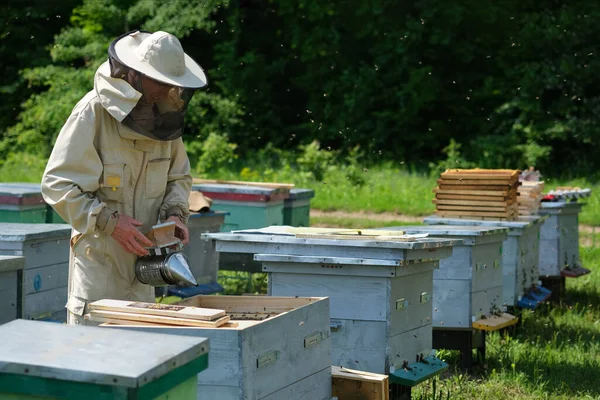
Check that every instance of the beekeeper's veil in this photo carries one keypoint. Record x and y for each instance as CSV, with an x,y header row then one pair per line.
x,y
174,77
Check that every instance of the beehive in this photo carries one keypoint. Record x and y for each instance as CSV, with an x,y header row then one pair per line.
x,y
296,208
248,206
559,238
45,248
57,361
28,205
380,293
520,257
280,348
468,284
22,203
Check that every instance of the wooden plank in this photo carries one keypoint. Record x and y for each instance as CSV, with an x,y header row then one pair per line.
x,y
460,192
482,181
486,203
158,319
352,384
493,174
478,176
483,170
473,198
444,213
260,184
460,185
166,310
495,323
123,323
472,208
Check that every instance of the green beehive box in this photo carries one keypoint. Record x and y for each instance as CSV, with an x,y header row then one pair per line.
x,y
22,203
33,208
296,208
57,361
249,207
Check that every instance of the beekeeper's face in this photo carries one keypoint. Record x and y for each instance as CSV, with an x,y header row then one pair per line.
x,y
153,90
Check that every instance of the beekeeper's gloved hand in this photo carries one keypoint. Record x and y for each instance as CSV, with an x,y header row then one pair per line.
x,y
129,237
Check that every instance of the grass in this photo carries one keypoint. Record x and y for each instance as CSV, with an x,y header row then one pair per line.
x,y
555,353
385,189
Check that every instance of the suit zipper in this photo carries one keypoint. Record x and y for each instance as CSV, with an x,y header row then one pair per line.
x,y
137,182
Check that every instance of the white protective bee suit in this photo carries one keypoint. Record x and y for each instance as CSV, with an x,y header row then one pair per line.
x,y
99,167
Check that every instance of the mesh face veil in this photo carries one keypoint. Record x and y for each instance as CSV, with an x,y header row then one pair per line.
x,y
160,112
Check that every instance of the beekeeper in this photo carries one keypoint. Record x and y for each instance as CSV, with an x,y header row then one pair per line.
x,y
119,166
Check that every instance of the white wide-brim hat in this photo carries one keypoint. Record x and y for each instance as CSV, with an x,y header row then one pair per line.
x,y
159,56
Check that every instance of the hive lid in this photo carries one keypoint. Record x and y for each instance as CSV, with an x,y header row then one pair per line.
x,y
92,354
450,230
21,194
17,232
301,194
11,263
227,188
520,223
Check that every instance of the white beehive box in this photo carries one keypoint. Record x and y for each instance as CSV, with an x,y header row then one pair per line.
x,y
380,290
380,309
11,296
468,284
281,348
559,237
519,252
45,248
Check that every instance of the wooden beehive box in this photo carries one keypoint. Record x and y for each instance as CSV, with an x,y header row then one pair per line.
x,y
45,248
11,296
519,252
280,348
559,237
477,194
468,284
529,197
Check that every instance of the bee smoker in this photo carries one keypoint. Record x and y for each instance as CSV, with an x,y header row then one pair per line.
x,y
165,265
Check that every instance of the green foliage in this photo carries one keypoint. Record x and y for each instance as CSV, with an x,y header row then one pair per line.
x,y
238,282
454,159
315,161
435,394
497,84
212,154
28,27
